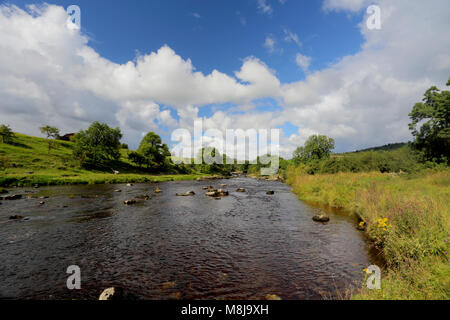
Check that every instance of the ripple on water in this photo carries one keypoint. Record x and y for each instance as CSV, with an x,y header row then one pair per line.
x,y
245,246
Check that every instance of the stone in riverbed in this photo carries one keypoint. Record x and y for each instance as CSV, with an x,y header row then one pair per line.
x,y
143,197
12,197
321,217
271,192
211,194
118,190
240,190
15,217
129,202
158,190
187,194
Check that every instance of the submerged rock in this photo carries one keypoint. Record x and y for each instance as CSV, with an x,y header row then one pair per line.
x,y
158,190
321,217
272,297
15,217
222,193
118,190
143,197
187,194
270,192
240,190
12,197
129,202
211,194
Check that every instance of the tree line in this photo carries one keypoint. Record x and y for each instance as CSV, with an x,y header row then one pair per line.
x,y
100,145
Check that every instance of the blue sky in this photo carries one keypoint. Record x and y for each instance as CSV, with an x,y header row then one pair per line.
x,y
303,66
212,34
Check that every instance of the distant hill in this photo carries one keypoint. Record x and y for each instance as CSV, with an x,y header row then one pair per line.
x,y
387,147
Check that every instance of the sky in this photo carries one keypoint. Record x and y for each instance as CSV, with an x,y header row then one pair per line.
x,y
304,67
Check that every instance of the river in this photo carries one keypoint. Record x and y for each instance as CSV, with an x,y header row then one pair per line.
x,y
244,246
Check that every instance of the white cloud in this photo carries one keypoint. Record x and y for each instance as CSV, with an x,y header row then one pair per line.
x,y
269,43
303,62
290,36
50,75
264,7
196,15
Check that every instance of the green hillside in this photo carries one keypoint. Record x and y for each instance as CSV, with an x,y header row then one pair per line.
x,y
26,161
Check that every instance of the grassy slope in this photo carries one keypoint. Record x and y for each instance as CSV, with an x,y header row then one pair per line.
x,y
35,165
415,238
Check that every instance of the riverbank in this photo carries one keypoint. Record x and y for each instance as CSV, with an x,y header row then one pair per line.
x,y
43,178
406,216
27,161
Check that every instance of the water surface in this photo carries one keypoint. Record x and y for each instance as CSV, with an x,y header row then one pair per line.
x,y
244,246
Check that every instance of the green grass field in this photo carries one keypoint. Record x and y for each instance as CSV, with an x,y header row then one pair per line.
x,y
406,215
26,162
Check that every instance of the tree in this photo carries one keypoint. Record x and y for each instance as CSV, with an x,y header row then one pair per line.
x,y
430,124
317,147
137,158
152,148
50,132
97,145
6,134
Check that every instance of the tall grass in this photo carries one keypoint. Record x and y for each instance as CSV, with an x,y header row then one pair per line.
x,y
405,215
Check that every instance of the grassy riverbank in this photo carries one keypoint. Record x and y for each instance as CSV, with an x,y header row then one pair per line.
x,y
407,215
27,161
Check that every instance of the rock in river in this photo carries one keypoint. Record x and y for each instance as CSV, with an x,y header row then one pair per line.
x,y
270,192
321,217
15,217
240,190
129,202
187,194
12,197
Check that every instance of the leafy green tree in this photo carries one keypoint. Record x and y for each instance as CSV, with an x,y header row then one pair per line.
x,y
6,134
431,124
211,160
156,152
137,158
97,145
51,133
317,147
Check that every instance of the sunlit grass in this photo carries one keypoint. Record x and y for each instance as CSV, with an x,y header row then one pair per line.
x,y
407,216
27,161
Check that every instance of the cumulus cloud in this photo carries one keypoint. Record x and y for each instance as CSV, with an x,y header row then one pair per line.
x,y
50,75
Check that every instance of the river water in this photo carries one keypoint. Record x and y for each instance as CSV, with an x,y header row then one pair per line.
x,y
245,246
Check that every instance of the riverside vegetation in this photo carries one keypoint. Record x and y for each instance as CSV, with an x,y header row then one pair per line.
x,y
400,194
